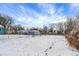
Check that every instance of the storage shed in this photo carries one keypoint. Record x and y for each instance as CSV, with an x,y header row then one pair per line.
x,y
2,30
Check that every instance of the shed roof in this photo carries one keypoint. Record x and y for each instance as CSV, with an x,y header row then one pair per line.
x,y
1,26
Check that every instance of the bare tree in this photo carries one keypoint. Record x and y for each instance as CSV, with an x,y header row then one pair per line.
x,y
60,28
45,30
51,29
69,25
6,21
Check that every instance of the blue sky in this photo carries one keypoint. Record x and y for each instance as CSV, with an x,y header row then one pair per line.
x,y
37,15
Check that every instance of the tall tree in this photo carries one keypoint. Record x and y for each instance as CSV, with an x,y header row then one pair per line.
x,y
5,21
60,28
69,25
51,29
45,30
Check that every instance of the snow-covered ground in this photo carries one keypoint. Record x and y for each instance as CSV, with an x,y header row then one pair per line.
x,y
26,45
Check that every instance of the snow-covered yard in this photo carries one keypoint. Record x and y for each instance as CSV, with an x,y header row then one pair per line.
x,y
26,45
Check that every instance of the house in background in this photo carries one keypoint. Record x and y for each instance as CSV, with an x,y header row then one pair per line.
x,y
2,30
29,32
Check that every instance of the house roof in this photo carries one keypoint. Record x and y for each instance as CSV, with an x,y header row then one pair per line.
x,y
1,26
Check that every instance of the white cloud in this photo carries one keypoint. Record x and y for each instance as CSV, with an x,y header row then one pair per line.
x,y
47,8
53,12
32,18
74,8
75,5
